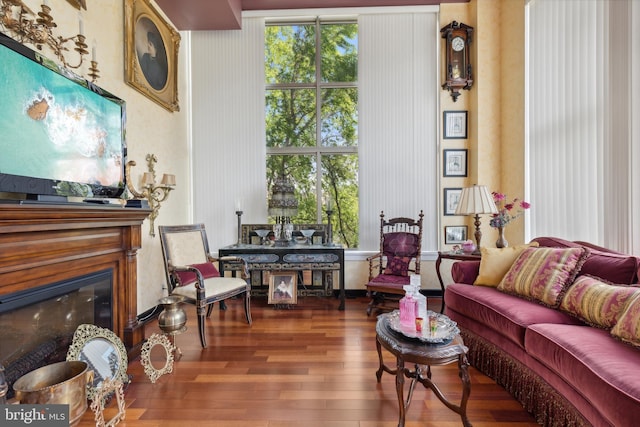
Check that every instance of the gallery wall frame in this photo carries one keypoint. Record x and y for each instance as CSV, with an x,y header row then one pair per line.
x,y
451,199
454,125
454,163
455,234
151,54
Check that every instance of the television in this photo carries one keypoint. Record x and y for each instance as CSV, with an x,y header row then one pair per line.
x,y
61,136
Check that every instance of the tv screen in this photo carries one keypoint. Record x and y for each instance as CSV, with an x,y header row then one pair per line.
x,y
60,135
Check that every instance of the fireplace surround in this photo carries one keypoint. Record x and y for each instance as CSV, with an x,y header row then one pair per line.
x,y
45,244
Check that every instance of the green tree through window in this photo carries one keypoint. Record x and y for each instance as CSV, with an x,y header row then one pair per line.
x,y
312,119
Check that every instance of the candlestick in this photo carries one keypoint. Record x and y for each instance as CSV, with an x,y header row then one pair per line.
x,y
239,213
80,24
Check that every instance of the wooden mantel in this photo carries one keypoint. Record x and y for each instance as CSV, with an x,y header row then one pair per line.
x,y
41,244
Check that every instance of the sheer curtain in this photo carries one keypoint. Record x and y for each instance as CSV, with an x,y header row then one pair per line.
x,y
580,121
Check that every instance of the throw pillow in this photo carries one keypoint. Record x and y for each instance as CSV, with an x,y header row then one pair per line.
x,y
596,302
495,263
543,274
207,270
627,328
398,266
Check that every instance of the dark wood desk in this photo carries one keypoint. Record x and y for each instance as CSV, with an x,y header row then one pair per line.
x,y
320,259
421,355
459,256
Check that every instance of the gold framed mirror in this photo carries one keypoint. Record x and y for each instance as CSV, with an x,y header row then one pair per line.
x,y
103,352
157,356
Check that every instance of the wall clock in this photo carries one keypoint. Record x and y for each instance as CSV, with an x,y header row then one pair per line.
x,y
458,70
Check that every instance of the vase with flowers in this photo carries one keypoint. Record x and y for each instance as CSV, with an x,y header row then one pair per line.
x,y
507,211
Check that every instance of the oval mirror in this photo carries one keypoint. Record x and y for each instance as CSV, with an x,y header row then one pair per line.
x,y
103,351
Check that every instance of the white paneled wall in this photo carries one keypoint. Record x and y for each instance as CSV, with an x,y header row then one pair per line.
x,y
228,129
398,121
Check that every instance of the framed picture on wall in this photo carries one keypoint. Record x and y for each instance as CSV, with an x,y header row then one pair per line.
x,y
455,125
455,234
454,163
283,288
151,54
451,199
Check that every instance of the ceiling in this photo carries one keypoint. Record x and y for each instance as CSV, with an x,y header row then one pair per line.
x,y
194,15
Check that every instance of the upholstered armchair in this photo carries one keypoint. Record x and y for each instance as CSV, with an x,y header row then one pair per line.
x,y
399,255
191,272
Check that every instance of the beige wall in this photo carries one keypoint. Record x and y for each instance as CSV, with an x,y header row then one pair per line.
x,y
495,105
150,128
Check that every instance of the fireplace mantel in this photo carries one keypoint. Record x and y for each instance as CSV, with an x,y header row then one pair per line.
x,y
41,244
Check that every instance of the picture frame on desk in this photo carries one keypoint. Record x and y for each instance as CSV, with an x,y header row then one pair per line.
x,y
283,288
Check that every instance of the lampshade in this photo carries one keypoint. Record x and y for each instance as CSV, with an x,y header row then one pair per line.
x,y
476,200
283,202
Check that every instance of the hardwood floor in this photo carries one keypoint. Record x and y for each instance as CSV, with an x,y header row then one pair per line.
x,y
309,366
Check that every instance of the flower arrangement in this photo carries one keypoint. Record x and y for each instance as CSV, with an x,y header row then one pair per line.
x,y
507,212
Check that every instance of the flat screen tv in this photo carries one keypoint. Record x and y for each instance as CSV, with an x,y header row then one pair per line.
x,y
60,135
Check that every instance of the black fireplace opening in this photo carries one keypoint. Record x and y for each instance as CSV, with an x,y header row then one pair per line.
x,y
37,325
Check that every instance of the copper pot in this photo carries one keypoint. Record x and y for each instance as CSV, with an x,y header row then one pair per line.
x,y
58,383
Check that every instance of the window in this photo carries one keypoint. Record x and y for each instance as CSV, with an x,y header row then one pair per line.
x,y
311,113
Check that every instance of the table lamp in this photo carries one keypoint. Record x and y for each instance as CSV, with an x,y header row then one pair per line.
x,y
476,200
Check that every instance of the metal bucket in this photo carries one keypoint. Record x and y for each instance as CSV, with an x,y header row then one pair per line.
x,y
58,383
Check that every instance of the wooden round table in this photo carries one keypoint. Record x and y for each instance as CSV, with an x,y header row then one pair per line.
x,y
422,356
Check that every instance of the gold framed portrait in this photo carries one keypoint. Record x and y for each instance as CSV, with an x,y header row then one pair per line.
x,y
283,287
151,54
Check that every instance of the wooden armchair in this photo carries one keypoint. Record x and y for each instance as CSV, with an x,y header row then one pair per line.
x,y
400,247
191,272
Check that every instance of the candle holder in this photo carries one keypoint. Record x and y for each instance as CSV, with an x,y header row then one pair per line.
x,y
329,228
25,26
239,214
152,192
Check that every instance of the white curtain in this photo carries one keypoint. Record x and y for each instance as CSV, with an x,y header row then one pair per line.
x,y
580,113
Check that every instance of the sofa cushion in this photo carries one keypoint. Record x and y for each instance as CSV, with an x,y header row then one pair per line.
x,y
508,315
604,371
609,265
495,263
543,274
614,268
628,326
597,303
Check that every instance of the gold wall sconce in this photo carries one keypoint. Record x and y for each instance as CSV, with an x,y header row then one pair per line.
x,y
152,192
26,26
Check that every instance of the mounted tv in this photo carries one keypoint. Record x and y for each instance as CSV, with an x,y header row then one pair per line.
x,y
60,135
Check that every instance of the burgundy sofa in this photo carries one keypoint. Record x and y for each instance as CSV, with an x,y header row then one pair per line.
x,y
563,370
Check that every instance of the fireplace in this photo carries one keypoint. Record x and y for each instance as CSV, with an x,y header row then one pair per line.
x,y
44,246
37,325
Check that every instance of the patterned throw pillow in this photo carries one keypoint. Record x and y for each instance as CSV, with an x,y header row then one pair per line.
x,y
398,266
596,302
628,327
543,274
207,270
495,263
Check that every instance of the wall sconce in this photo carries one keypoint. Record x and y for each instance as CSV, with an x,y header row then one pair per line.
x,y
152,192
25,26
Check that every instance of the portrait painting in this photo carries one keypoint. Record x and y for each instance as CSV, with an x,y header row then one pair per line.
x,y
151,54
283,288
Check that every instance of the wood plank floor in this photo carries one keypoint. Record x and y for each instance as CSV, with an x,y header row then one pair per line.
x,y
309,366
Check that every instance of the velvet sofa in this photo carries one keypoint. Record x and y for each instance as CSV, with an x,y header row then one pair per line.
x,y
568,345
